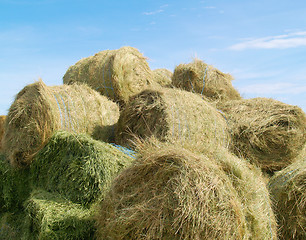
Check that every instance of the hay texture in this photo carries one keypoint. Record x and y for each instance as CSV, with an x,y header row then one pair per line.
x,y
206,80
163,77
2,120
172,115
267,132
77,167
172,193
52,217
288,191
38,111
117,74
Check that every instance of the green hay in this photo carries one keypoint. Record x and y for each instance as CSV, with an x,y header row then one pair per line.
x,y
38,111
171,193
12,226
267,132
163,77
77,167
117,74
14,186
206,80
52,217
172,115
288,191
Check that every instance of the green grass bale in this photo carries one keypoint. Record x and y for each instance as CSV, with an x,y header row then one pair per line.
x,y
77,167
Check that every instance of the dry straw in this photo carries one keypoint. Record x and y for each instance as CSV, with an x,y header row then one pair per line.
x,y
117,74
172,115
163,77
267,132
288,191
38,111
206,80
2,123
171,193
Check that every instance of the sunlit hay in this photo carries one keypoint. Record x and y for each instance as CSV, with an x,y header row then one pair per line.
x,y
288,191
171,194
163,77
117,74
267,132
39,110
78,167
14,186
2,120
206,80
172,115
52,217
250,185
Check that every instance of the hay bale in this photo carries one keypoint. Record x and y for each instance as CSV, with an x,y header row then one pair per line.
x,y
52,217
267,132
77,167
2,120
163,77
206,80
117,74
288,191
170,193
172,115
14,186
38,111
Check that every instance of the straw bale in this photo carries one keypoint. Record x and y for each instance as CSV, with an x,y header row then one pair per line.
x,y
117,74
267,132
171,193
52,217
2,120
163,77
206,80
77,167
38,111
288,191
172,115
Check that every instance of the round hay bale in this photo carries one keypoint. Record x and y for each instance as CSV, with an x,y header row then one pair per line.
x,y
77,167
172,115
38,111
117,74
171,193
288,191
206,80
163,77
267,132
2,121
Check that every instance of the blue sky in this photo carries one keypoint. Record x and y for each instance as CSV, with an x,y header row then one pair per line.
x,y
261,43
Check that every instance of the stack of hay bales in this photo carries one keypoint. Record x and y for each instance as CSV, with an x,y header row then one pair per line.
x,y
288,192
117,74
267,132
172,115
171,193
198,77
163,77
38,111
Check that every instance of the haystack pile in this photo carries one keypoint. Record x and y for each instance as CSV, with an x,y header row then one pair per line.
x,y
182,156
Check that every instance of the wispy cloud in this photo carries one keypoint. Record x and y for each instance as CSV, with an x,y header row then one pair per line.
x,y
160,10
290,40
274,88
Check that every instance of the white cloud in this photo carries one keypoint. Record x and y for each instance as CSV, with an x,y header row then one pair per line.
x,y
153,12
290,40
274,88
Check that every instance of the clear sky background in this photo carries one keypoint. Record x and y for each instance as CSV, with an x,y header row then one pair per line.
x,y
262,43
